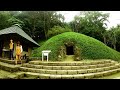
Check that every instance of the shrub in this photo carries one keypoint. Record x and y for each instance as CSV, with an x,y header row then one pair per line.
x,y
57,30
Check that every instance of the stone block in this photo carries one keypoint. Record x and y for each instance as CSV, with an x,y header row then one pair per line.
x,y
92,66
72,72
91,70
61,72
55,76
50,72
78,76
75,67
79,64
81,71
107,68
56,67
66,67
98,74
84,67
44,76
47,67
100,65
70,64
89,76
67,77
99,69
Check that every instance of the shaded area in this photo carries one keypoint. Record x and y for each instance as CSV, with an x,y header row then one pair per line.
x,y
69,50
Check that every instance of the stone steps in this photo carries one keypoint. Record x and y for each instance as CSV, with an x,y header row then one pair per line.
x,y
70,63
10,61
9,67
68,67
77,76
69,71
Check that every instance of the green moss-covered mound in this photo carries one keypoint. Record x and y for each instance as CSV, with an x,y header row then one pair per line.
x,y
85,47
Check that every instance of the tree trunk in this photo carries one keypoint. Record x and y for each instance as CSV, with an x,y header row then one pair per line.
x,y
114,46
105,40
44,27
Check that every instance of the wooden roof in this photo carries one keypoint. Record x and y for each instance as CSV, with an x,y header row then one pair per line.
x,y
19,31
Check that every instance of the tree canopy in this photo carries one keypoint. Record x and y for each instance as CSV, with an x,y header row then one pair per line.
x,y
91,23
46,24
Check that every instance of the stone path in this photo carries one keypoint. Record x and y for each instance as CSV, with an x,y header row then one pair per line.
x,y
117,78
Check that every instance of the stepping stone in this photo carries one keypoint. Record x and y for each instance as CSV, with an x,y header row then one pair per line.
x,y
91,70
75,67
56,67
81,71
47,67
100,65
107,68
79,64
99,69
66,67
67,77
98,74
62,72
70,64
92,66
88,76
84,67
72,72
78,76
50,72
55,76
44,76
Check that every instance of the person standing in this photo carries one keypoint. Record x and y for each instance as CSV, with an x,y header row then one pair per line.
x,y
21,51
18,52
11,45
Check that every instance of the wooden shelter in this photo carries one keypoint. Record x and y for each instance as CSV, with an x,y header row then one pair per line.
x,y
16,34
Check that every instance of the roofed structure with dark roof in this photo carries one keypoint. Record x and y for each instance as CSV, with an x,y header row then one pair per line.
x,y
19,31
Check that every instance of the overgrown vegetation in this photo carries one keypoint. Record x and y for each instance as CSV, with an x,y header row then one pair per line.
x,y
58,30
90,47
5,74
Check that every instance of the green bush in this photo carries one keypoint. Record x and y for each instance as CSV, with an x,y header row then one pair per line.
x,y
90,47
57,30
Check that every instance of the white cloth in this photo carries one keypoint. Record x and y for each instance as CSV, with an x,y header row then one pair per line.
x,y
21,48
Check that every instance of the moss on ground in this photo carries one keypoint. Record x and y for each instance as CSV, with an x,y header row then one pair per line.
x,y
6,74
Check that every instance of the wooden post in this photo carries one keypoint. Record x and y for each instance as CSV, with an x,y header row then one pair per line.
x,y
29,51
14,53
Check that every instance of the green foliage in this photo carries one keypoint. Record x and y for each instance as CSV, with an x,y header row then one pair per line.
x,y
37,23
91,23
90,47
15,21
113,37
4,16
58,30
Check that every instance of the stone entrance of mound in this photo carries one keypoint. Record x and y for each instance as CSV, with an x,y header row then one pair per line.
x,y
70,52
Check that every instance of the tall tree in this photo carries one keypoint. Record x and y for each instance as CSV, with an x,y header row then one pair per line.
x,y
91,23
37,23
4,16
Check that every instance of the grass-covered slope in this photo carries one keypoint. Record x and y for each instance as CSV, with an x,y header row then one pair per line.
x,y
90,47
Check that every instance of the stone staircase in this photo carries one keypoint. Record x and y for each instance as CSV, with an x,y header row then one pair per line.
x,y
70,70
10,61
9,65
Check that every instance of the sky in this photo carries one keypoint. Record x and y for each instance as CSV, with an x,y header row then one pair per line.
x,y
114,18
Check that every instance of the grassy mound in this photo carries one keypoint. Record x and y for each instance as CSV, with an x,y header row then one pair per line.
x,y
90,48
